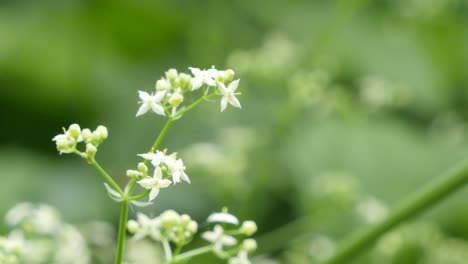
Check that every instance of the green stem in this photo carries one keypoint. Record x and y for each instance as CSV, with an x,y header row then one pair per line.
x,y
107,177
194,104
192,253
167,251
415,204
122,232
162,134
139,196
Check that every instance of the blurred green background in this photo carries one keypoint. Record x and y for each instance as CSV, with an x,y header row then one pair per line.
x,y
348,107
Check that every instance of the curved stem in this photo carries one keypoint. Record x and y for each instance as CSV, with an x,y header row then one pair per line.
x,y
194,104
122,232
107,177
162,134
167,251
192,253
140,196
425,198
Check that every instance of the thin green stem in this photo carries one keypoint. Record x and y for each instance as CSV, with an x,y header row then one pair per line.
x,y
122,232
139,196
131,186
167,251
162,134
415,204
107,177
194,104
192,253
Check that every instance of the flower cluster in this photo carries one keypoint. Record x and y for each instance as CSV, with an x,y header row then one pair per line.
x,y
40,236
223,240
68,141
169,226
165,167
170,91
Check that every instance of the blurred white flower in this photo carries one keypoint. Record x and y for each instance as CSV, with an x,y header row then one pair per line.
x,y
18,213
151,102
229,95
372,210
219,239
157,157
223,217
241,258
201,77
155,183
147,227
177,169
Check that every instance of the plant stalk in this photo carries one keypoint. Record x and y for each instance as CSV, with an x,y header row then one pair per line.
x,y
122,232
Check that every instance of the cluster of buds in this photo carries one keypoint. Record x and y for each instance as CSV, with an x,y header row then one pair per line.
x,y
10,250
169,226
225,244
165,167
171,89
68,141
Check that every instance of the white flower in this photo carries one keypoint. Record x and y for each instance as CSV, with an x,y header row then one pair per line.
x,y
18,213
66,142
177,171
241,258
219,239
154,183
157,157
229,95
203,76
223,217
151,102
148,227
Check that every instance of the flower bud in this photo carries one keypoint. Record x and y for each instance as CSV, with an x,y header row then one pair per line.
x,y
184,80
169,218
192,227
65,145
248,228
172,74
133,226
220,76
133,173
185,219
102,131
163,85
143,168
249,244
176,99
229,75
90,150
87,135
74,130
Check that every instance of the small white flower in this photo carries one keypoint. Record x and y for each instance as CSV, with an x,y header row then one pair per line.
x,y
219,239
148,227
154,183
203,76
157,157
151,102
178,171
18,213
241,258
229,95
223,217
66,142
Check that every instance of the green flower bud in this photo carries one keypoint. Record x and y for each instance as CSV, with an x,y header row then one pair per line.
x,y
169,218
248,228
185,219
163,85
184,80
220,76
172,74
102,131
192,227
74,130
143,168
176,99
250,245
229,75
87,135
90,151
133,227
133,174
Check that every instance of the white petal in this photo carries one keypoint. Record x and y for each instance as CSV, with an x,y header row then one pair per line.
x,y
157,175
196,83
223,218
164,183
224,102
154,192
210,236
210,81
234,102
158,109
143,219
195,71
147,156
147,183
144,96
222,88
159,96
233,85
143,109
211,72
184,177
228,240
176,177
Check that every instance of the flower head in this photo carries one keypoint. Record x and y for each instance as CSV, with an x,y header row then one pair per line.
x,y
155,183
219,239
203,77
151,102
229,94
